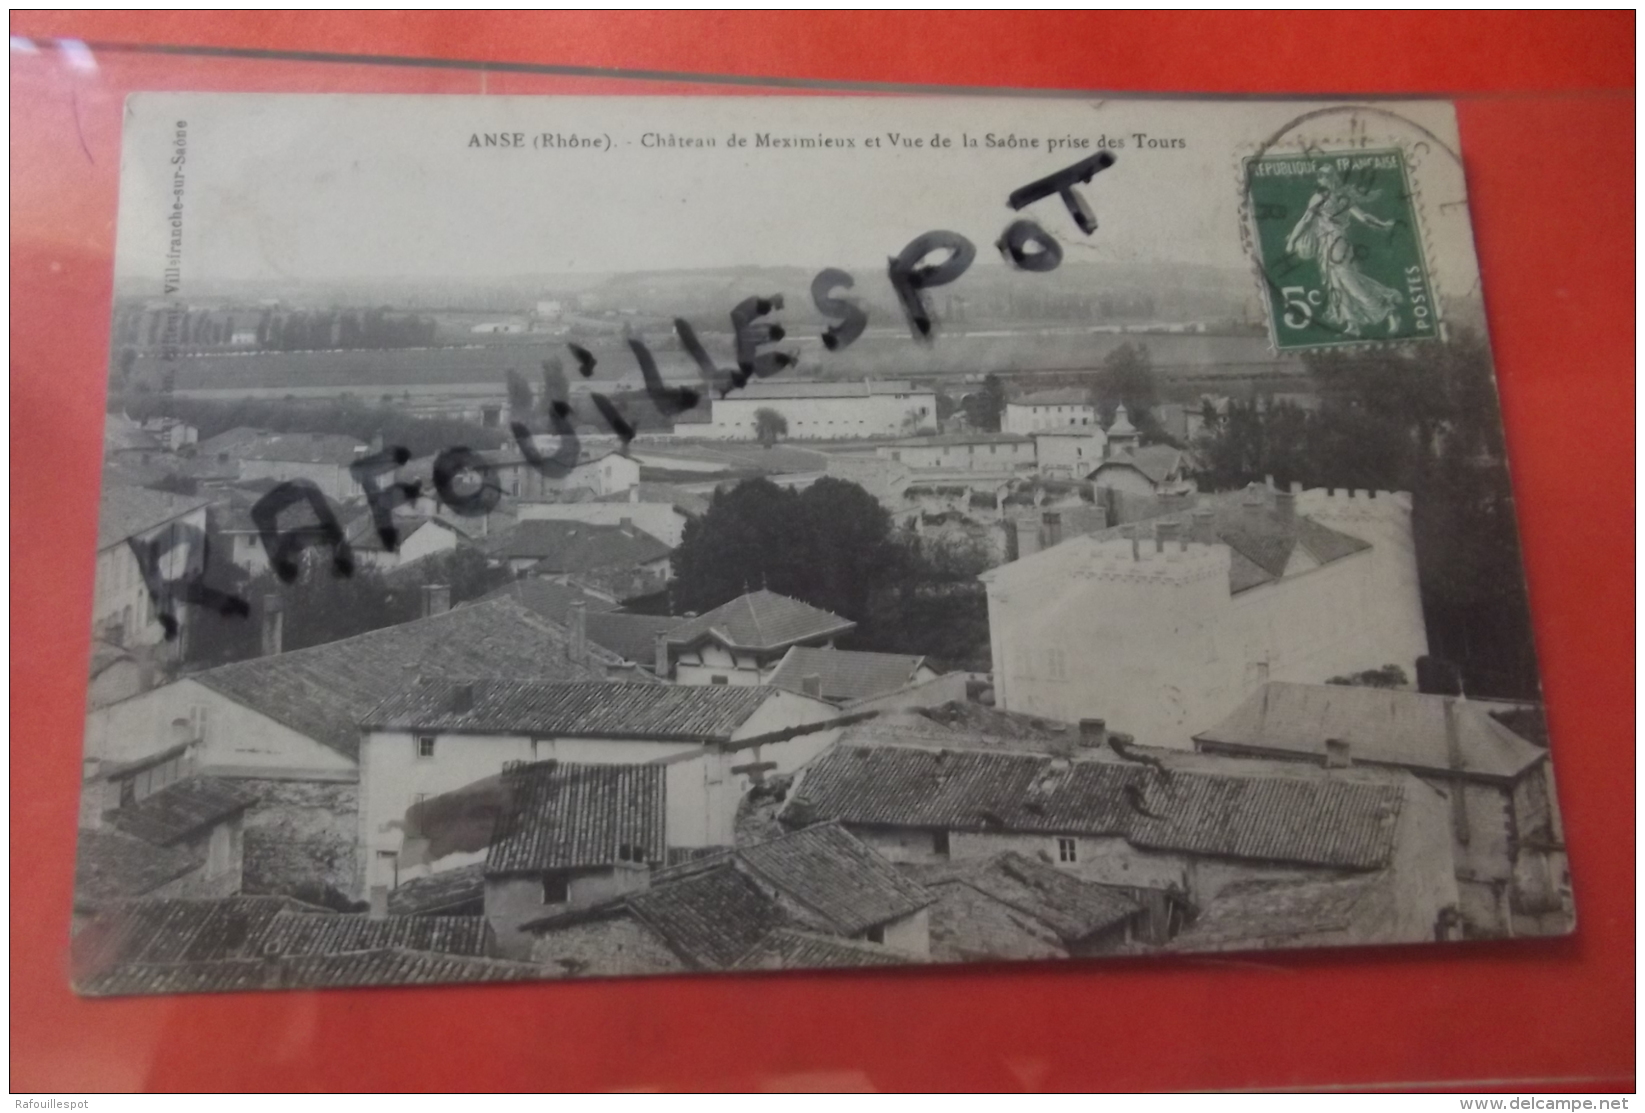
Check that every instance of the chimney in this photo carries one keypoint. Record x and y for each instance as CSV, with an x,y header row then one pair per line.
x,y
1336,754
379,902
274,624
462,698
660,663
1093,732
436,599
1252,500
1166,532
811,685
1204,528
1285,505
579,629
1052,532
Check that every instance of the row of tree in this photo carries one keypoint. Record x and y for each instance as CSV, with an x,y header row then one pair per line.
x,y
1126,375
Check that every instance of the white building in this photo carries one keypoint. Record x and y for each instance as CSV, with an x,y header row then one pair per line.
x,y
1048,409
437,736
320,458
824,410
1070,452
122,609
1162,628
986,452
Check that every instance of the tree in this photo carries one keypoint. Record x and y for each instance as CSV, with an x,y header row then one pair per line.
x,y
769,425
520,402
1388,676
983,408
1126,375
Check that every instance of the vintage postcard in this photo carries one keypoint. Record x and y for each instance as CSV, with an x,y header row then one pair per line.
x,y
551,537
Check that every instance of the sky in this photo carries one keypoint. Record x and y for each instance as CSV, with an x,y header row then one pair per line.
x,y
337,188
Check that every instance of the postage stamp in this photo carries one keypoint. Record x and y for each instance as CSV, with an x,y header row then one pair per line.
x,y
1339,248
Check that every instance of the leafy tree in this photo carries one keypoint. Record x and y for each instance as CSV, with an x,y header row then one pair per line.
x,y
946,407
1126,375
984,408
769,425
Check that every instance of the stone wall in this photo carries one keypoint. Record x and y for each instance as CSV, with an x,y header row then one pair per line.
x,y
300,832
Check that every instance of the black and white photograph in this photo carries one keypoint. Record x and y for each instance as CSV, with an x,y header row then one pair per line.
x,y
557,537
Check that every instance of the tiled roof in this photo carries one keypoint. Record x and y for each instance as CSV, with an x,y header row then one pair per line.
x,y
294,934
789,949
180,809
1248,913
301,448
632,637
849,388
1073,908
549,598
689,503
1381,725
1261,538
1073,396
232,441
1155,461
111,865
604,710
440,892
967,925
389,966
178,930
835,876
562,547
712,918
1335,821
324,691
126,512
120,434
563,816
761,620
846,674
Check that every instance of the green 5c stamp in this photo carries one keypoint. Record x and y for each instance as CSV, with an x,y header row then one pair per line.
x,y
1341,257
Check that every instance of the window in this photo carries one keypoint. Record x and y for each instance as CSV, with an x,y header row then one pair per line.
x,y
939,844
1067,850
388,868
875,934
425,745
555,890
718,679
419,797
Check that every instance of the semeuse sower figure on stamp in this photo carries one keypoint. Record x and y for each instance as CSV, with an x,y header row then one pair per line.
x,y
1353,299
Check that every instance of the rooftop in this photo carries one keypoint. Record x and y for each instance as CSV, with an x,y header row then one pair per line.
x,y
111,865
300,448
845,674
1251,913
460,888
591,710
1261,535
1072,396
388,966
689,503
791,949
549,599
851,388
1269,815
761,620
125,512
1158,462
562,546
324,691
942,440
179,930
632,637
1073,908
562,816
1382,726
180,809
294,934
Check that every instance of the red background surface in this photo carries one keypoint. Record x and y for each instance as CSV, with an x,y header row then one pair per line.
x,y
1547,113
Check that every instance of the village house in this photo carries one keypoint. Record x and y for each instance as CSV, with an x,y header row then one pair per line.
x,y
1165,627
1155,469
620,556
659,509
1048,409
846,675
743,641
438,736
417,538
824,410
1014,907
1171,830
171,432
322,459
157,830
986,452
284,726
1070,452
630,637
1506,834
718,912
168,527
